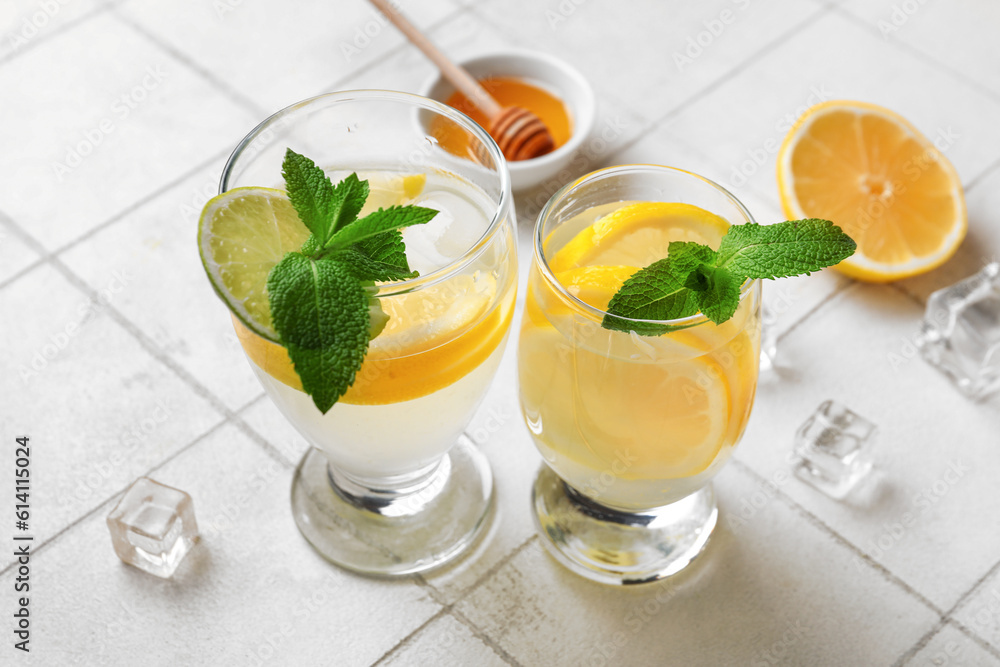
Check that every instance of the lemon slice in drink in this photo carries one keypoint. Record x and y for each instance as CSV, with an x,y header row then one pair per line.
x,y
242,234
638,234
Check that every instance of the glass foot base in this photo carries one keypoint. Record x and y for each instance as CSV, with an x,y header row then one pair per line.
x,y
615,547
394,532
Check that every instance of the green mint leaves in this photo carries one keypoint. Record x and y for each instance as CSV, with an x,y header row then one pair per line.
x,y
321,297
694,278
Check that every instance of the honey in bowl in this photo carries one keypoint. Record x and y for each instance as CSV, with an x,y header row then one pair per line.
x,y
508,92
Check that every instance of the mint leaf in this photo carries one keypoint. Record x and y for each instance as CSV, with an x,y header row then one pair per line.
x,y
720,296
321,312
387,248
310,191
659,291
379,222
694,278
348,199
364,267
322,207
783,249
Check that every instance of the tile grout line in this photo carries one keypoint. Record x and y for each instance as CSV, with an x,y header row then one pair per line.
x,y
974,636
447,607
829,298
922,643
139,203
56,32
906,48
886,573
23,272
151,348
233,94
982,176
405,641
383,58
822,10
114,496
483,637
217,426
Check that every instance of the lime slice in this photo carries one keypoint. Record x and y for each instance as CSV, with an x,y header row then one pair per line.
x,y
242,234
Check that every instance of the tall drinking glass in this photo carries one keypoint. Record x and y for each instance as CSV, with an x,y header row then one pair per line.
x,y
389,486
631,427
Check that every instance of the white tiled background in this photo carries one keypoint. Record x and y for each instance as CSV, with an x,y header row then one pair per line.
x,y
115,120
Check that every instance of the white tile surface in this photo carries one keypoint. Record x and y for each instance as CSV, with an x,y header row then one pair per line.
x,y
981,612
99,409
170,298
951,647
26,23
640,56
280,53
801,72
250,587
935,456
447,643
941,31
117,119
754,597
15,254
251,592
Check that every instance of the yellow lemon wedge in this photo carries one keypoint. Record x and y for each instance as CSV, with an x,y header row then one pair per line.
x,y
883,182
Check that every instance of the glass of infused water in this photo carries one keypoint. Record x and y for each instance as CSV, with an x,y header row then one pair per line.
x,y
389,486
631,427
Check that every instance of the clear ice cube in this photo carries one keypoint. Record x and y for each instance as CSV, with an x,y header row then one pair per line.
x,y
960,335
833,449
153,527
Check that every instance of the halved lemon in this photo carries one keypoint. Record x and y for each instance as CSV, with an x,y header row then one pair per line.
x,y
883,182
638,234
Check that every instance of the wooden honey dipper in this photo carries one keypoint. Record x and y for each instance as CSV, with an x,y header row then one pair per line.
x,y
520,134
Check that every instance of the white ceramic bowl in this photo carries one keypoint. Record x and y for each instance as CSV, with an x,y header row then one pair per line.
x,y
546,72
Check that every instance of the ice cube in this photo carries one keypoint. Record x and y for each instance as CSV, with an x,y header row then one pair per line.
x,y
153,527
960,334
443,240
833,449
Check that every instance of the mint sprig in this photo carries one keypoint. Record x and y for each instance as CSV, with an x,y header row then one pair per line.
x,y
694,278
322,296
